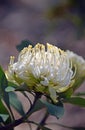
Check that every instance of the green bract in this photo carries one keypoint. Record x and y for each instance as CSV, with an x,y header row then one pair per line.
x,y
78,63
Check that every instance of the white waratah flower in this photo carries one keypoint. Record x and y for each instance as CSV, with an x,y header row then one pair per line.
x,y
41,68
79,63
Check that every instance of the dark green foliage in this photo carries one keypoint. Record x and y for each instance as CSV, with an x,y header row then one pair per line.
x,y
54,109
15,103
5,117
76,101
23,44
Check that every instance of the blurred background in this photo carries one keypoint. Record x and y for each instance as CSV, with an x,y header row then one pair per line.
x,y
59,22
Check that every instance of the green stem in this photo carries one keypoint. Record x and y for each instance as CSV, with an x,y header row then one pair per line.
x,y
42,123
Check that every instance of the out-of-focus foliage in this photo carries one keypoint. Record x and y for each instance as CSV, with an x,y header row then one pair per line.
x,y
71,10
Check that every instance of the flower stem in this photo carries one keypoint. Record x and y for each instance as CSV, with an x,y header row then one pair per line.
x,y
42,123
22,119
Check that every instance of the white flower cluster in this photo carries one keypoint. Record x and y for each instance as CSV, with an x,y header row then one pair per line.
x,y
42,67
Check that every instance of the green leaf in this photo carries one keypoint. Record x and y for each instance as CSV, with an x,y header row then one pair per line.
x,y
38,106
3,94
53,109
4,117
80,94
15,102
9,89
76,101
3,111
3,85
23,44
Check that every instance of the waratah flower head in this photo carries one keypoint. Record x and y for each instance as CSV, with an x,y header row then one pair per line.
x,y
42,67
